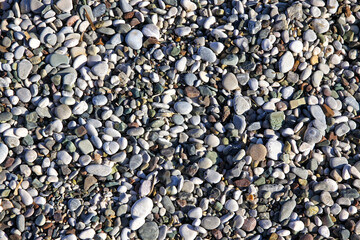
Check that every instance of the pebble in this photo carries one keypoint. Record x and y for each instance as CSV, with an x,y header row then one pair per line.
x,y
286,62
134,39
210,222
187,232
207,54
230,82
26,198
99,170
4,150
183,107
24,68
142,207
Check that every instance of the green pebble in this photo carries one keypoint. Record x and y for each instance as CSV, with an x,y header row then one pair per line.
x,y
218,206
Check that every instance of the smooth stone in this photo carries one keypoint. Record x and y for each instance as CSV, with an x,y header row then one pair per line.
x,y
135,161
63,112
183,107
149,231
286,62
257,152
168,204
134,39
99,100
287,209
142,207
74,204
217,47
57,59
99,10
125,6
87,234
65,5
317,78
151,30
351,101
230,82
4,150
274,149
212,140
231,205
241,104
207,54
320,25
296,226
26,198
210,223
296,46
99,170
249,224
24,68
195,213
309,35
188,232
312,135
24,95
328,185
136,223
85,146
212,176
100,69
342,129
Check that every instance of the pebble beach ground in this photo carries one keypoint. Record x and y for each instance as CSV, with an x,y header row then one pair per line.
x,y
179,119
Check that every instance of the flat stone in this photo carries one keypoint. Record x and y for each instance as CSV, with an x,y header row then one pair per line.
x,y
241,104
312,135
24,95
276,120
65,5
207,54
86,146
212,176
142,207
99,170
287,209
100,69
326,185
149,231
24,68
135,161
56,60
230,82
26,198
249,224
63,111
74,204
183,107
210,223
134,39
320,25
151,30
257,152
274,149
195,213
168,204
188,232
286,62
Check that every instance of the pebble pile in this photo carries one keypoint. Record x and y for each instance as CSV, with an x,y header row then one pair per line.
x,y
179,119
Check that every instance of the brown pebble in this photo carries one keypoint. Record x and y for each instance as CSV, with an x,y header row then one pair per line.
x,y
192,92
314,60
257,152
242,183
80,131
134,22
249,224
9,162
217,234
128,15
327,110
89,181
307,236
212,119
